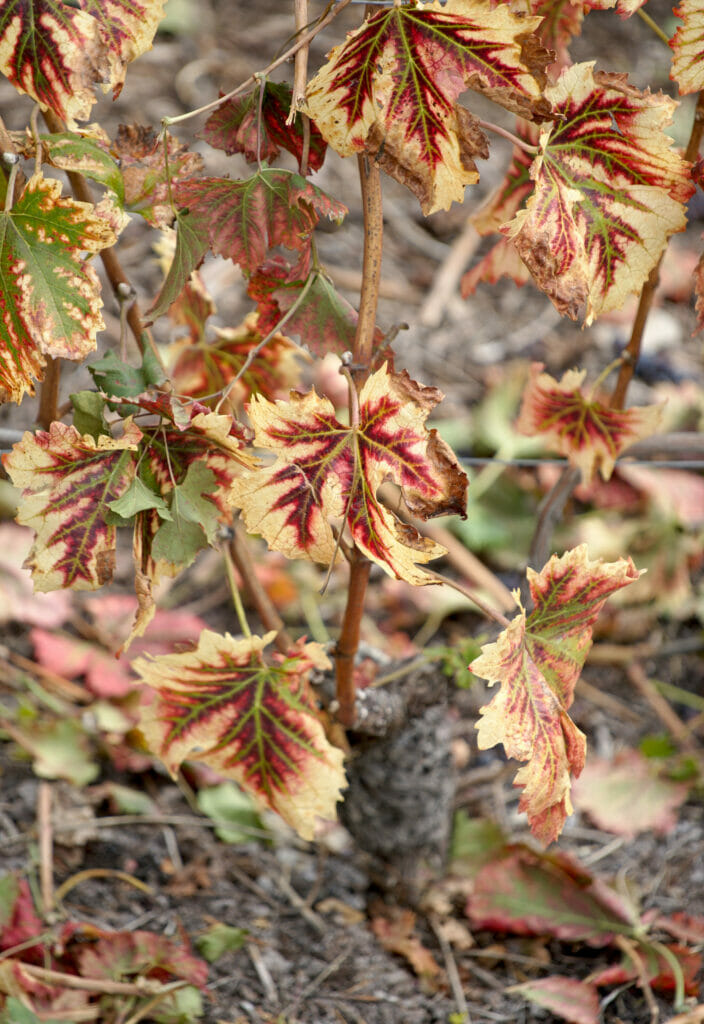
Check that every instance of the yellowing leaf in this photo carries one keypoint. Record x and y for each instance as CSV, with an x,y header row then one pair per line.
x,y
49,296
609,192
688,47
392,88
589,433
326,470
254,722
58,52
538,659
68,482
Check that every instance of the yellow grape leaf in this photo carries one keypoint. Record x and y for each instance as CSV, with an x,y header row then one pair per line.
x,y
251,720
538,659
688,47
590,434
391,90
327,471
609,192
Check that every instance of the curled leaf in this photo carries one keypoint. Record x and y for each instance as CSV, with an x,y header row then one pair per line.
x,y
538,659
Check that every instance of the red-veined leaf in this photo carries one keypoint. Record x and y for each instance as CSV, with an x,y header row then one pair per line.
x,y
68,482
530,893
609,192
233,127
392,88
194,305
538,659
190,248
50,297
207,367
58,52
323,319
658,969
326,470
244,219
503,260
575,1001
254,722
688,47
140,151
590,434
86,150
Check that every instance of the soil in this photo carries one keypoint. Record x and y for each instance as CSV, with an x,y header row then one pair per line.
x,y
310,955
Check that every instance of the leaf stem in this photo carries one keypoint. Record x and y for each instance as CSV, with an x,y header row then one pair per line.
x,y
515,139
468,592
653,25
632,351
332,12
235,591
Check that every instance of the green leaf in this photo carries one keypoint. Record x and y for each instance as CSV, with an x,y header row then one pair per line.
x,y
475,842
116,378
49,296
227,802
16,1012
191,247
220,938
88,414
193,522
71,151
137,498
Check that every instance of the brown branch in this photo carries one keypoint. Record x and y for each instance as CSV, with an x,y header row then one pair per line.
x,y
632,350
8,146
348,641
549,516
244,563
49,393
113,268
46,854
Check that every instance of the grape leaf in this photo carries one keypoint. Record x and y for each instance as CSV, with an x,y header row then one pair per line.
x,y
699,292
89,414
191,247
140,151
503,260
137,498
86,151
688,47
590,434
58,52
206,368
538,659
391,89
68,482
531,893
254,722
119,379
49,296
609,191
244,219
192,522
629,794
232,127
329,471
575,1001
323,319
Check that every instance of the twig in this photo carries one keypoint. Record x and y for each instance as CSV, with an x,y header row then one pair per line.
x,y
360,566
452,972
49,393
681,732
632,350
266,610
46,849
315,984
447,277
303,41
82,876
146,1009
313,919
263,973
143,987
549,515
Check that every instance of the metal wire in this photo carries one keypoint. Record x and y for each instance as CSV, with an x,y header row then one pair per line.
x,y
476,460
